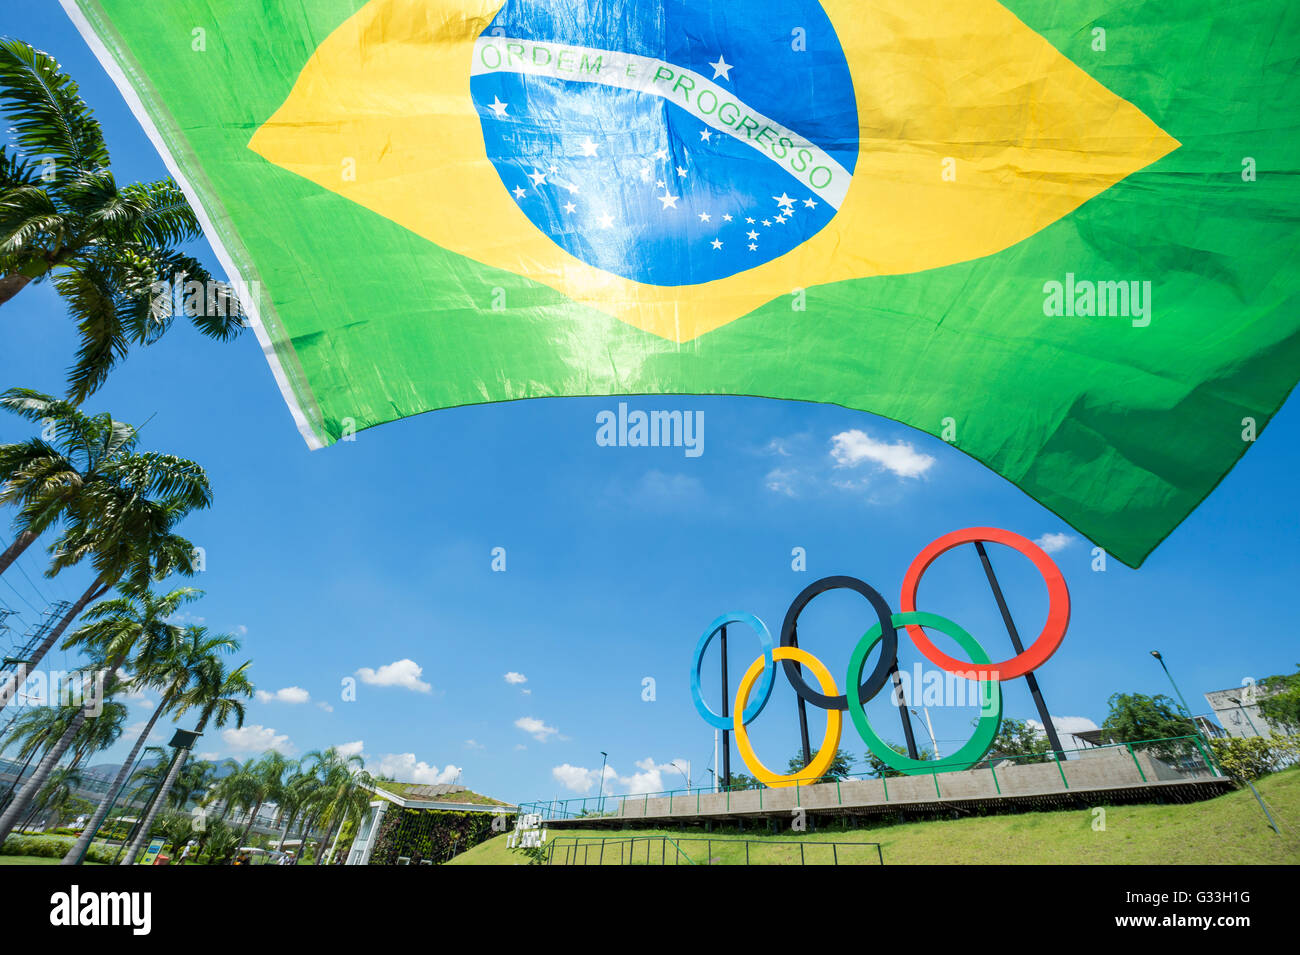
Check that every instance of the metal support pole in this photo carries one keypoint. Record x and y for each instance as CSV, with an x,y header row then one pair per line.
x,y
901,703
1030,679
726,711
802,705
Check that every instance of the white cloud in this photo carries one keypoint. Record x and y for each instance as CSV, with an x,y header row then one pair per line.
x,y
405,768
241,630
514,678
256,738
575,779
473,744
135,729
648,779
1052,543
851,448
325,706
669,488
350,749
782,481
404,673
536,728
288,694
209,757
1066,727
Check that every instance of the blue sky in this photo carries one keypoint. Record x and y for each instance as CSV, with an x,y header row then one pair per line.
x,y
373,559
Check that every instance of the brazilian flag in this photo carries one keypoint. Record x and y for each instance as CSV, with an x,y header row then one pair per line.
x,y
1060,234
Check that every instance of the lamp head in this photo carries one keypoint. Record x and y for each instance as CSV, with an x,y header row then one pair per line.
x,y
1156,654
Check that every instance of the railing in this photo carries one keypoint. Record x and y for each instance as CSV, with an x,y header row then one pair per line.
x,y
1184,756
672,850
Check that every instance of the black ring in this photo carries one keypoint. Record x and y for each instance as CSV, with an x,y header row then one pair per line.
x,y
888,647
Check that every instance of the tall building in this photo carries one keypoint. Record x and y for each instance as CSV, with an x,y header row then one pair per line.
x,y
1238,712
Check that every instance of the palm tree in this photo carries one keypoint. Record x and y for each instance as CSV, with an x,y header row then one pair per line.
x,y
119,504
295,797
55,795
267,777
136,622
343,789
239,789
219,696
35,731
107,248
168,670
51,731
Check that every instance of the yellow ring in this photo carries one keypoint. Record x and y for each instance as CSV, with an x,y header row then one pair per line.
x,y
834,721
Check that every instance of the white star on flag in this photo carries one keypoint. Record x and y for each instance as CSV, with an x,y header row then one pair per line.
x,y
660,184
538,178
810,203
721,68
717,243
705,217
569,207
726,217
706,135
661,155
783,201
669,200
588,147
766,223
520,192
498,107
749,220
606,220
681,172
780,219
753,247
752,234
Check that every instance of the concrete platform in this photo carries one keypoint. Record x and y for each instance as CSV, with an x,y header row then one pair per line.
x,y
1112,776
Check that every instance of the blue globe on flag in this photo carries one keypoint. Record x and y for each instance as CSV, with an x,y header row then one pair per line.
x,y
670,143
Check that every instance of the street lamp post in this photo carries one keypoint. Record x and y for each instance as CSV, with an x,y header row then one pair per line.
x,y
934,743
1186,709
686,773
601,798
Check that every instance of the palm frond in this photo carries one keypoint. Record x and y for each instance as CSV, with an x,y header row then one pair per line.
x,y
46,109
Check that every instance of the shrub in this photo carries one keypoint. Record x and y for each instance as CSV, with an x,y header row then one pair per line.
x,y
1254,756
53,847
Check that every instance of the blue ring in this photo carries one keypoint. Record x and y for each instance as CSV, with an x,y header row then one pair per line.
x,y
759,699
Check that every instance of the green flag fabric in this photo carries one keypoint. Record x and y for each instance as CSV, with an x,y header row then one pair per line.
x,y
1059,234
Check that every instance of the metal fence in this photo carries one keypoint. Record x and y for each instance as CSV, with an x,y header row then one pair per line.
x,y
1147,762
702,850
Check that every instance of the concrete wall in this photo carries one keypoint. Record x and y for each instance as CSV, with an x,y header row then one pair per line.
x,y
1110,768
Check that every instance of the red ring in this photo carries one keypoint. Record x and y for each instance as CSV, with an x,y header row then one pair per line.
x,y
1058,610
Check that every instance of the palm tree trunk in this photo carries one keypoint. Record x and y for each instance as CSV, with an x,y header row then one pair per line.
x,y
88,834
14,550
25,795
178,761
285,834
12,284
146,824
248,828
325,843
10,689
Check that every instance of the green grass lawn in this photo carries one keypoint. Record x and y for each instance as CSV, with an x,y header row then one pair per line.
x,y
1228,830
34,860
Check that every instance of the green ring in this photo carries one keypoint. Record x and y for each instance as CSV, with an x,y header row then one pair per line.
x,y
990,713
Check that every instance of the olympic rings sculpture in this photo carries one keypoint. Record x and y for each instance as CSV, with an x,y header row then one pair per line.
x,y
755,688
